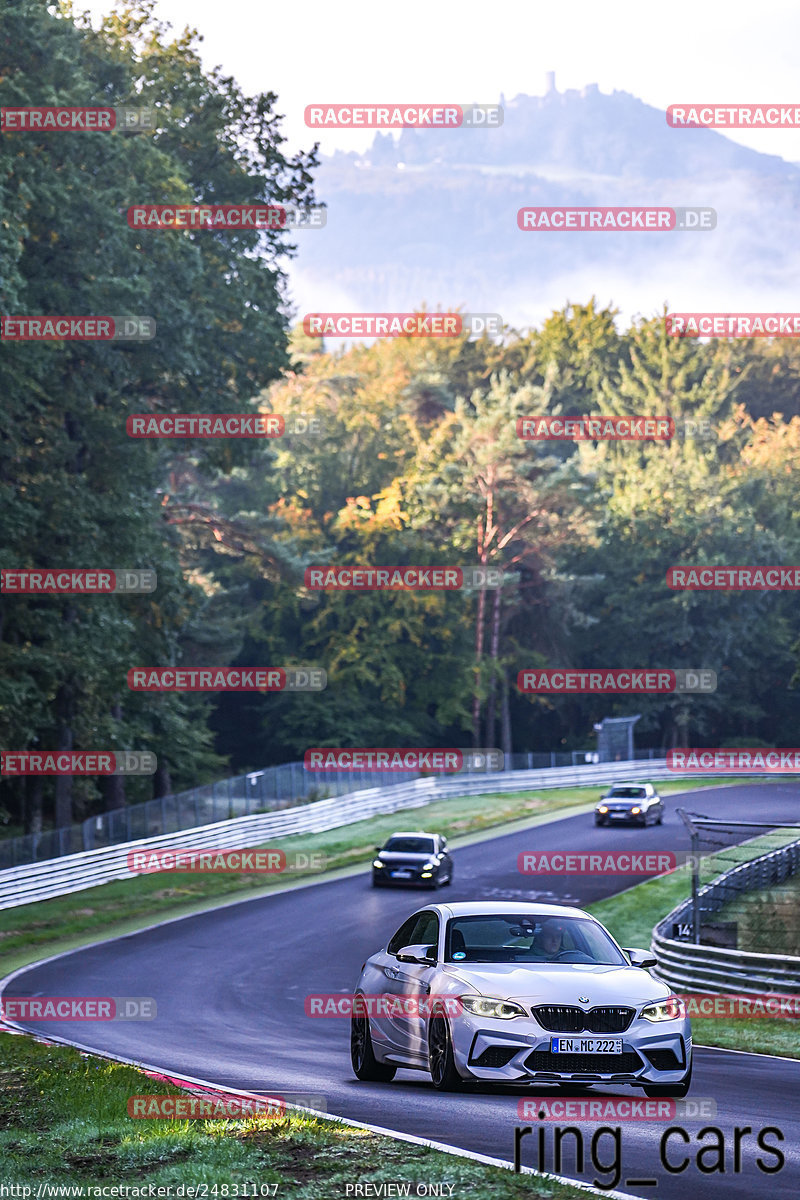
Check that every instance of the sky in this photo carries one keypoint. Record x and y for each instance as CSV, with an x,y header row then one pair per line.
x,y
363,52
360,51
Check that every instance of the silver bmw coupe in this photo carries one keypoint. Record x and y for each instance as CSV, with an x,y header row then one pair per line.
x,y
517,993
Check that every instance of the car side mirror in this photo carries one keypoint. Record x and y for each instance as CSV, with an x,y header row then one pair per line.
x,y
641,958
424,955
378,849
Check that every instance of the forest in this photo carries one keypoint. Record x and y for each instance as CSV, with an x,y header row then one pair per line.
x,y
402,452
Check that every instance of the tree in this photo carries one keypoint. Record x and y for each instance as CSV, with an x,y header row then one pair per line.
x,y
76,490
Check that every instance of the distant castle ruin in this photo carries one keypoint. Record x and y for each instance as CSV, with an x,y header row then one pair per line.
x,y
550,89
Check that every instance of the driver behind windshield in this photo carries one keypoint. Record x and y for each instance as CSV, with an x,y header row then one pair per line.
x,y
549,941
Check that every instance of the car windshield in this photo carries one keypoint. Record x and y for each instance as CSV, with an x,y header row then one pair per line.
x,y
410,845
511,938
628,793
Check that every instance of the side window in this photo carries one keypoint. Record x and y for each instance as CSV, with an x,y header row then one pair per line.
x,y
403,935
426,930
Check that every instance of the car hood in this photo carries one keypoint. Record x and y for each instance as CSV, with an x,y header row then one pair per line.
x,y
562,984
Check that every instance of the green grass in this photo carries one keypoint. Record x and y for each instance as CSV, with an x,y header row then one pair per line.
x,y
63,1120
768,921
34,931
632,915
63,1114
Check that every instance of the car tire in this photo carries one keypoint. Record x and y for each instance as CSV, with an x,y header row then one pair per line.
x,y
362,1056
597,821
449,879
660,819
441,1062
678,1090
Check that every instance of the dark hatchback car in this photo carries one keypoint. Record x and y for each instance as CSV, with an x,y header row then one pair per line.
x,y
410,859
638,803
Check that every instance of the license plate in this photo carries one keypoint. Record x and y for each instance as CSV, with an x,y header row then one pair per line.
x,y
586,1045
401,874
620,815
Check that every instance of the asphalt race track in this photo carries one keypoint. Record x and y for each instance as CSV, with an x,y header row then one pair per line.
x,y
230,986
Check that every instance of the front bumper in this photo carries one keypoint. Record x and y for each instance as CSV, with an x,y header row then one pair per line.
x,y
519,1050
620,818
384,879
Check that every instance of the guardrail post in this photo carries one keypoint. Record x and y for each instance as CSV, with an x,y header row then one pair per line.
x,y
684,816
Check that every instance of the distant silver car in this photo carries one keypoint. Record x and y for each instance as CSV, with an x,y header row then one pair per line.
x,y
638,803
413,858
509,993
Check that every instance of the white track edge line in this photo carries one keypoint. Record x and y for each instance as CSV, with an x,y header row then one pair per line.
x,y
456,1151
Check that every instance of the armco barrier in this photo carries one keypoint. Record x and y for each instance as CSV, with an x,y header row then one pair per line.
x,y
268,790
685,966
60,876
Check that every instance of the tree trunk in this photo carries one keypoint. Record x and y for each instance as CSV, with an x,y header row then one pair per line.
x,y
64,739
505,720
491,709
114,785
162,784
114,788
476,697
64,736
33,805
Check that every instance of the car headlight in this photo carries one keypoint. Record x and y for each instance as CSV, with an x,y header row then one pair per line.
x,y
602,808
665,1010
428,866
481,1006
635,811
378,863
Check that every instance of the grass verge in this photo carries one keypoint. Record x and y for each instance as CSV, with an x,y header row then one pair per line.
x,y
768,920
63,1120
632,915
34,931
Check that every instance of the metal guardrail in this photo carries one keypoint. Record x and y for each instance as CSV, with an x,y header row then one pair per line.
x,y
72,873
267,790
685,966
